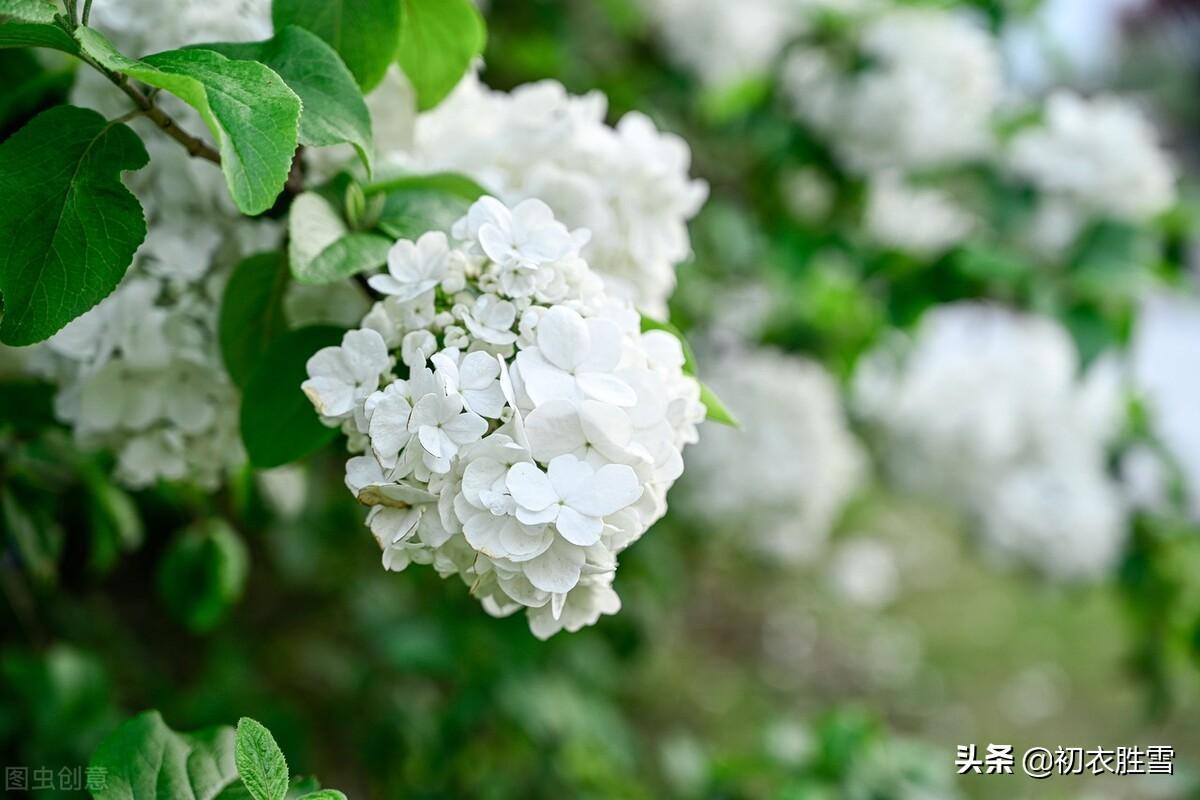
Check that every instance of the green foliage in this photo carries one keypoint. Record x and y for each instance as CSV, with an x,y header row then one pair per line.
x,y
146,760
26,406
252,313
249,110
321,247
68,228
36,34
365,33
203,573
333,108
438,41
28,10
260,762
278,422
29,87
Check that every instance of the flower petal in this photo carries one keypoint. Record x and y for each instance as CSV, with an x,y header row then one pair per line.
x,y
530,487
562,337
557,569
577,528
554,429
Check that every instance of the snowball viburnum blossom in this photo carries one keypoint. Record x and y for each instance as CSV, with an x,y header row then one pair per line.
x,y
512,424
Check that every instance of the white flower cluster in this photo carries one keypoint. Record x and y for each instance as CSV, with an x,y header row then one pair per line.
x,y
516,427
924,221
782,480
925,98
628,185
141,373
988,406
1098,156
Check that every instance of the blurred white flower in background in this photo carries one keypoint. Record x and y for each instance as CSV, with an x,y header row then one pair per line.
x,y
918,220
141,373
925,96
863,571
1165,364
1100,155
991,408
779,483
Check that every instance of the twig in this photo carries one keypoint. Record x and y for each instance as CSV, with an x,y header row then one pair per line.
x,y
87,11
194,145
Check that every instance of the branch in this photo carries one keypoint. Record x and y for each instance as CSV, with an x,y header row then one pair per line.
x,y
194,145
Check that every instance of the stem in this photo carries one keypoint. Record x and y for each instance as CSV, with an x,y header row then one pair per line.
x,y
87,10
195,146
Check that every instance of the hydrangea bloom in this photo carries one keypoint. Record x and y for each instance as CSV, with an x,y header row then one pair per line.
x,y
925,98
918,220
141,373
511,422
1101,156
797,464
988,406
628,185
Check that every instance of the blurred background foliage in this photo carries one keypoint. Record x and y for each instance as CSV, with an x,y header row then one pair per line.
x,y
727,674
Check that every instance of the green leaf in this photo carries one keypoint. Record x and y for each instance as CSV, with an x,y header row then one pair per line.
x,y
414,204
438,41
260,762
26,406
717,411
279,424
68,226
145,760
37,34
38,544
251,113
689,357
28,10
203,574
116,524
252,313
334,111
29,87
322,249
324,794
365,33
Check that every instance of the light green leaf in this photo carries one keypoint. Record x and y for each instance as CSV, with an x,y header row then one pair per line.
x,y
334,111
414,204
145,760
260,762
365,33
251,113
252,313
203,574
322,249
324,794
28,10
452,183
278,423
438,41
68,226
717,411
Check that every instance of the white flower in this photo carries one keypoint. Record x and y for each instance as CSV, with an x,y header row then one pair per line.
x,y
476,377
574,359
1102,155
529,515
414,269
491,319
572,495
339,378
922,221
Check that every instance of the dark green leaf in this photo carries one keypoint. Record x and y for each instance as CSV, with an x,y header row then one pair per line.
x,y
29,87
414,204
260,762
68,226
145,760
251,113
38,543
278,422
438,41
334,111
717,411
36,34
202,574
322,249
26,406
116,524
365,33
252,314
